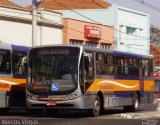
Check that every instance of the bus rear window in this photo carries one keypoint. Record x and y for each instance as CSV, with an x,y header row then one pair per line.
x,y
17,65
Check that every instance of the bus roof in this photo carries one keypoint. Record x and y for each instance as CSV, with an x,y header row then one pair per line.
x,y
88,48
5,46
20,48
119,53
133,55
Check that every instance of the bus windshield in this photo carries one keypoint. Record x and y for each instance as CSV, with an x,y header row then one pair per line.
x,y
53,74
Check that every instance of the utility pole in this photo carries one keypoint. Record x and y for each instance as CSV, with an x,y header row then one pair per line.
x,y
35,4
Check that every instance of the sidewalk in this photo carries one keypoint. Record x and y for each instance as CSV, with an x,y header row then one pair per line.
x,y
153,113
141,115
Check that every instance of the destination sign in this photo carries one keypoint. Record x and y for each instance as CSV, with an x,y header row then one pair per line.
x,y
53,51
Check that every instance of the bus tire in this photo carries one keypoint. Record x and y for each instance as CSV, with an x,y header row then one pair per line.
x,y
4,111
134,107
97,107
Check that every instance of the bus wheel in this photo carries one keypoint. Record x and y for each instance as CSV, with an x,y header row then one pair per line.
x,y
51,112
135,102
97,107
134,107
4,111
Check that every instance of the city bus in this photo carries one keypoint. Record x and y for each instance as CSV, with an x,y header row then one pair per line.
x,y
82,77
12,76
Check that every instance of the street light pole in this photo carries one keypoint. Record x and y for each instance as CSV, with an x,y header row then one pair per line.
x,y
34,23
35,4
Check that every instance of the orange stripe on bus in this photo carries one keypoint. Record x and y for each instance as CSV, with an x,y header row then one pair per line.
x,y
114,85
6,83
120,85
16,80
149,85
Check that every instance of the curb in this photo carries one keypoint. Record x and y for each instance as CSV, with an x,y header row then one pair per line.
x,y
158,104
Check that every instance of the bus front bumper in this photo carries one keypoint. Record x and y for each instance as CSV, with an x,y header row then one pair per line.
x,y
82,102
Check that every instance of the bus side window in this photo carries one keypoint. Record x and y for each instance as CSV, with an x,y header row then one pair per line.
x,y
140,68
120,65
5,62
17,59
126,65
109,64
150,68
135,69
100,64
145,67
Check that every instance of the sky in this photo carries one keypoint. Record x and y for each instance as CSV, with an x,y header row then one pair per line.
x,y
150,6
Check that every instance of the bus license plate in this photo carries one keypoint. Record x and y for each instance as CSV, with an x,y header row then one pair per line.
x,y
50,104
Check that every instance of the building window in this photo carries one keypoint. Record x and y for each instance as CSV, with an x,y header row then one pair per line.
x,y
91,43
131,33
130,30
75,42
105,46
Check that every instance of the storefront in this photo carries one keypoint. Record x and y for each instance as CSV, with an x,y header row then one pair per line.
x,y
90,34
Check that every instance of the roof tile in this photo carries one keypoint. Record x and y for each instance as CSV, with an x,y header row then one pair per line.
x,y
73,4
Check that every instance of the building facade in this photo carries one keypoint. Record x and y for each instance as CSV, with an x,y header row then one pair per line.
x,y
16,26
86,33
131,28
78,31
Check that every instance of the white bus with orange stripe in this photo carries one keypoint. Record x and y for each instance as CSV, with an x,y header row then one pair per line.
x,y
12,76
81,77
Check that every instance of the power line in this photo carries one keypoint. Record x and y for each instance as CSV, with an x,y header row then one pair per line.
x,y
96,21
73,29
102,39
148,5
144,38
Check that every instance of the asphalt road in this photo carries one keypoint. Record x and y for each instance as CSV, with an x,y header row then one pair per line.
x,y
147,115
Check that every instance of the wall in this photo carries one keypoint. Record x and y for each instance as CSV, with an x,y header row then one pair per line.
x,y
16,27
15,33
138,41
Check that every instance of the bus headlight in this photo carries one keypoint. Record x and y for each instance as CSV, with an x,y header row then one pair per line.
x,y
32,97
29,79
73,96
